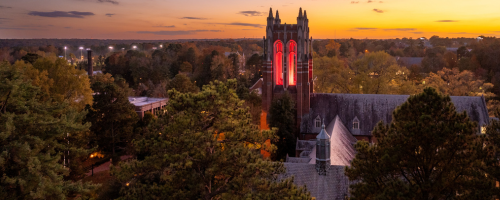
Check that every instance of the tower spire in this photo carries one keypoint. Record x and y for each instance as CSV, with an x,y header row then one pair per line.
x,y
322,151
305,14
300,12
270,12
277,15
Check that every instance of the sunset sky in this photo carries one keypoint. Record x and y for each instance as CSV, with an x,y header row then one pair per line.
x,y
200,19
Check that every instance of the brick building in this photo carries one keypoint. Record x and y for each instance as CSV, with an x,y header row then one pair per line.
x,y
328,124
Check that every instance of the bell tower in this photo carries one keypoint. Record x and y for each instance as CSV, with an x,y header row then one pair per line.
x,y
287,64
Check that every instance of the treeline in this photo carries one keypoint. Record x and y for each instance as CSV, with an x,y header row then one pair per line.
x,y
377,67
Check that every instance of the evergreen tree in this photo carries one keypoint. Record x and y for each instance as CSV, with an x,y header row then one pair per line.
x,y
205,147
429,151
33,135
283,116
112,116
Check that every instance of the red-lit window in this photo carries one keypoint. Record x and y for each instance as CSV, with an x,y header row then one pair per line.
x,y
292,63
278,62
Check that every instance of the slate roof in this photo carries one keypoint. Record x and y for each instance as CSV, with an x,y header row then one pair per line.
x,y
369,109
342,142
335,185
409,61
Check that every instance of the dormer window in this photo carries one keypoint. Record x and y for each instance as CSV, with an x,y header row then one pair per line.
x,y
355,123
317,122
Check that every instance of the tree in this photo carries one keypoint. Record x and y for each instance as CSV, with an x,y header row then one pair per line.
x,y
181,83
112,116
69,84
205,147
455,83
429,151
33,135
283,116
492,149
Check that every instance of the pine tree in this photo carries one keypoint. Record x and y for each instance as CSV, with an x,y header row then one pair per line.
x,y
112,116
205,147
32,133
283,116
429,151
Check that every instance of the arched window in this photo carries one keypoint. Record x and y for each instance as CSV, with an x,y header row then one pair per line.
x,y
355,123
292,63
317,122
278,63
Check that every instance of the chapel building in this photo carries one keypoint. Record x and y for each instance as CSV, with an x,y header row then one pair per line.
x,y
328,124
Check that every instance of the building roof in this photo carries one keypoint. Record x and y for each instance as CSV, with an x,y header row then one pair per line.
x,y
342,142
333,185
370,109
141,101
409,61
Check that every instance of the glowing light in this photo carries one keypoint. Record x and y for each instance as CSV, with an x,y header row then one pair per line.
x,y
134,47
127,184
65,48
292,63
81,48
278,60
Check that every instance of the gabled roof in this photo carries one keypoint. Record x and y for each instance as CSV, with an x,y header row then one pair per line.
x,y
342,142
372,108
335,185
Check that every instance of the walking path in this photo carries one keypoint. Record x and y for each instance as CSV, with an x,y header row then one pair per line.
x,y
105,166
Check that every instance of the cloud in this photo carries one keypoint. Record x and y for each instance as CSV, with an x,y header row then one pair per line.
x,y
417,32
381,2
241,24
72,14
5,7
251,13
400,29
160,26
109,14
187,32
364,29
197,18
447,20
369,1
378,11
108,1
354,2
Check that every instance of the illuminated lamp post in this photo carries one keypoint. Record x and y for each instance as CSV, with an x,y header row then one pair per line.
x,y
110,49
134,47
65,53
81,53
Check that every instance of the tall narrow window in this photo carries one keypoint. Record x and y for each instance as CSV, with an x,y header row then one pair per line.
x,y
292,63
278,62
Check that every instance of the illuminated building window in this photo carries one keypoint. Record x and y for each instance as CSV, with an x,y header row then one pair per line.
x,y
483,129
278,62
292,63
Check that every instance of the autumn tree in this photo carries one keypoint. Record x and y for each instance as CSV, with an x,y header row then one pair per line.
x,y
428,151
33,138
378,73
67,83
455,83
205,147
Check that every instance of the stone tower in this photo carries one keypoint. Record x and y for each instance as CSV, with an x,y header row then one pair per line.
x,y
288,62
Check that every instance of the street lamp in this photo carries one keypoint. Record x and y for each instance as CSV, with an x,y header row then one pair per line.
x,y
161,46
65,53
81,53
110,48
123,49
134,47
